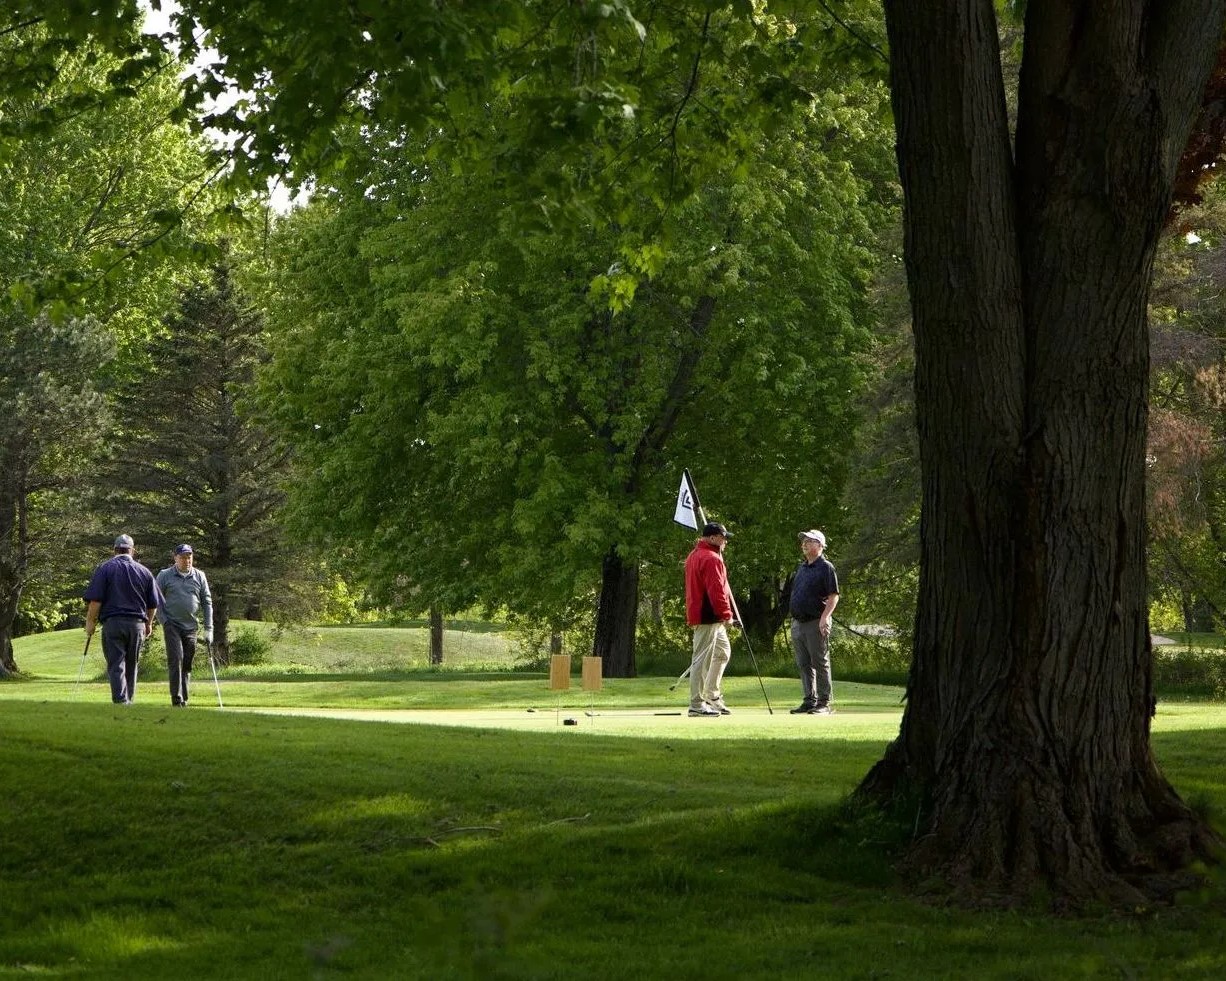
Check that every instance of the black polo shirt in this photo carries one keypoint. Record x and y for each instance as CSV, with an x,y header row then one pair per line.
x,y
814,582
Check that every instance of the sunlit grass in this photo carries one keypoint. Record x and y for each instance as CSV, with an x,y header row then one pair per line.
x,y
146,842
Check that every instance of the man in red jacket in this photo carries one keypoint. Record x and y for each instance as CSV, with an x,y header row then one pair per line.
x,y
708,610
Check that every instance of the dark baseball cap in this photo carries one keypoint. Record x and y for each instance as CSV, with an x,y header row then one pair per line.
x,y
715,528
183,550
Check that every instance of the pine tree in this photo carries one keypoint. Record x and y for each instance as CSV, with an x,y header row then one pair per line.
x,y
195,466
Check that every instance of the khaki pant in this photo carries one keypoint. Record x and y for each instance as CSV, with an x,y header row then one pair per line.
x,y
712,652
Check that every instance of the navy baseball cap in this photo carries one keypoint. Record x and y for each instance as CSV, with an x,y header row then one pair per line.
x,y
183,550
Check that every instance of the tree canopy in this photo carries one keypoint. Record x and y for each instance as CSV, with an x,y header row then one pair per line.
x,y
501,408
87,184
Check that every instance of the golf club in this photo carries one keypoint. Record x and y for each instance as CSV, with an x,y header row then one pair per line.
x,y
81,669
213,665
684,674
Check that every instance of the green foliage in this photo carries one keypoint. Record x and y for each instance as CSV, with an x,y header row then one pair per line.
x,y
474,411
249,646
1193,667
52,416
102,192
876,660
340,603
1186,474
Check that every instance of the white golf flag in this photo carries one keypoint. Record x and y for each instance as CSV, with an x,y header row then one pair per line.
x,y
685,514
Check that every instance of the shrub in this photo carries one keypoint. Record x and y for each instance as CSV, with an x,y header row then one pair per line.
x,y
250,646
868,659
1194,672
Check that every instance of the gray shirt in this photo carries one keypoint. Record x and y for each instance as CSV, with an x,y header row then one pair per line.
x,y
183,595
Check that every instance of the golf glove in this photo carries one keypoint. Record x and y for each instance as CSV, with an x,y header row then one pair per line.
x,y
208,635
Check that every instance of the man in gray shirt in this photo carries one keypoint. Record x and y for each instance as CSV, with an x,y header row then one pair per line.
x,y
185,593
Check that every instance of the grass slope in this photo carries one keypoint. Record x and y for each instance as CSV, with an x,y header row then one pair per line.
x,y
143,842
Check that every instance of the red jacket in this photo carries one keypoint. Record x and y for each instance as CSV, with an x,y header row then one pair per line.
x,y
707,597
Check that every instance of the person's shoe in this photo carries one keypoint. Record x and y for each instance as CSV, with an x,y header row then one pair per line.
x,y
802,710
822,710
705,712
721,708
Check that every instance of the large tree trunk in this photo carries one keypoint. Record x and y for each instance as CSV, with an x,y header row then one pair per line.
x,y
1025,740
616,616
14,559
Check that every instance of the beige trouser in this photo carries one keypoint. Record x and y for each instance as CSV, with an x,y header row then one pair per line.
x,y
712,652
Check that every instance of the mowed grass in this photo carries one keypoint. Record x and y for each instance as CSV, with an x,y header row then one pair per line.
x,y
148,843
387,668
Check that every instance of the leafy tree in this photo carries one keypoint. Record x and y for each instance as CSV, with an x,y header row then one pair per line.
x,y
77,190
53,414
1186,466
493,424
194,465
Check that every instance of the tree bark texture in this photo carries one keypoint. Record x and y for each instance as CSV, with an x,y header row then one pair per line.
x,y
14,560
1025,740
616,616
436,635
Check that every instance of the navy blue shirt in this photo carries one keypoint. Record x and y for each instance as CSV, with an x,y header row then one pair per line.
x,y
124,587
814,582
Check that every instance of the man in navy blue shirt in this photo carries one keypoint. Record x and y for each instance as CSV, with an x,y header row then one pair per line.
x,y
815,594
123,595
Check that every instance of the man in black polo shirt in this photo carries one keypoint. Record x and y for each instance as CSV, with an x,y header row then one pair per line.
x,y
123,595
815,594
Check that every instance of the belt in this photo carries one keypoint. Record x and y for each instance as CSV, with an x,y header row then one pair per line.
x,y
805,619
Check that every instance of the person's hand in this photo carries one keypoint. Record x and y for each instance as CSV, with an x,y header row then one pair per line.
x,y
208,635
737,624
89,628
824,627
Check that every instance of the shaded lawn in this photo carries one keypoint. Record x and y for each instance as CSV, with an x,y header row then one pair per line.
x,y
145,843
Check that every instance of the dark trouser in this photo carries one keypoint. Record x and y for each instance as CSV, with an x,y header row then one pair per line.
x,y
122,638
180,649
813,662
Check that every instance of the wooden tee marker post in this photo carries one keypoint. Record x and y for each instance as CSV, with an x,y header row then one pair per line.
x,y
593,681
559,679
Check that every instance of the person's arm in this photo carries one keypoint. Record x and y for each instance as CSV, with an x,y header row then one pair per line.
x,y
92,608
827,612
154,601
161,613
832,600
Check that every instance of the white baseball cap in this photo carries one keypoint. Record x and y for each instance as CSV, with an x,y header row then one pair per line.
x,y
814,536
